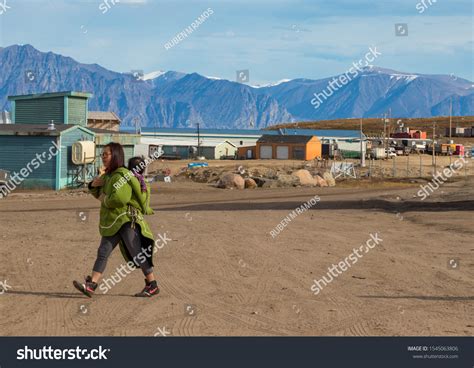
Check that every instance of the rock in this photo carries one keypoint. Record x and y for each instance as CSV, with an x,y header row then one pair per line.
x,y
320,182
263,172
304,177
285,180
231,180
329,179
258,181
250,183
270,183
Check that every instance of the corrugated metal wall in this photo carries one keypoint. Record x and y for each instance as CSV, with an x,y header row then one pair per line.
x,y
17,151
77,111
69,171
39,111
182,151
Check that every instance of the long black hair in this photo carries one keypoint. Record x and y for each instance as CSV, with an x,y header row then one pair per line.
x,y
118,157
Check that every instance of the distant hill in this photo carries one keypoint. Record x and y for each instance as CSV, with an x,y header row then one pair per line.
x,y
375,127
173,99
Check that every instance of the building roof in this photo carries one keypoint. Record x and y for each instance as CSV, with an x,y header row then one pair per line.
x,y
322,133
50,95
203,131
183,142
102,115
38,129
253,133
108,131
285,138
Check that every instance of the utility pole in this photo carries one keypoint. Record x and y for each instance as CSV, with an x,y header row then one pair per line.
x,y
450,117
136,126
199,141
433,158
385,135
389,121
362,153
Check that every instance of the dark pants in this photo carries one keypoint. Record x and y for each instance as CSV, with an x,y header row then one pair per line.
x,y
131,239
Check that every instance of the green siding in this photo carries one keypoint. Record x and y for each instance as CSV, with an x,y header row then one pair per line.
x,y
77,111
16,152
69,171
39,111
13,111
66,107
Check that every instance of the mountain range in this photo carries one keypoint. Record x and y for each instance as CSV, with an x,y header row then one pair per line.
x,y
175,99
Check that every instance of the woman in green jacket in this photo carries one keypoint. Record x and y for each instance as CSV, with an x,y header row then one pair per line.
x,y
123,204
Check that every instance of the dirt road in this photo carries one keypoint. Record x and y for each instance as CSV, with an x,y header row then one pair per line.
x,y
222,273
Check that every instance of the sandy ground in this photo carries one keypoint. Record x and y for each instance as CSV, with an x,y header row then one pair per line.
x,y
223,274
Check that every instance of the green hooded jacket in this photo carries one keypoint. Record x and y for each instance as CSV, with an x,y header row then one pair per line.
x,y
124,202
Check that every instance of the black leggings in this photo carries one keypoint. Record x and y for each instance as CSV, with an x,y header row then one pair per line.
x,y
131,239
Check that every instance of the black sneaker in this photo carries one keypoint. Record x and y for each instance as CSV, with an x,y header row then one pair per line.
x,y
87,288
151,288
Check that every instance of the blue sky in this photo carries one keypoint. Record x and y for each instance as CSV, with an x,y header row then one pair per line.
x,y
274,39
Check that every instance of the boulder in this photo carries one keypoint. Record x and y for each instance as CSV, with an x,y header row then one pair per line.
x,y
304,177
250,183
329,179
230,180
320,182
285,180
263,172
258,181
270,183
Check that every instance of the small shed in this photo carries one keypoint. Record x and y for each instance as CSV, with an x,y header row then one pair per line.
x,y
288,147
103,120
62,107
40,156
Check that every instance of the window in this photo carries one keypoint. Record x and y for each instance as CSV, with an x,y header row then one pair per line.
x,y
298,153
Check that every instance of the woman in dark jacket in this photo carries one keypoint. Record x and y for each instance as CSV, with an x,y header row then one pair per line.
x,y
121,221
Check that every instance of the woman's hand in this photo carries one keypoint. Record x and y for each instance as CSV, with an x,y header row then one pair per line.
x,y
97,182
101,170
